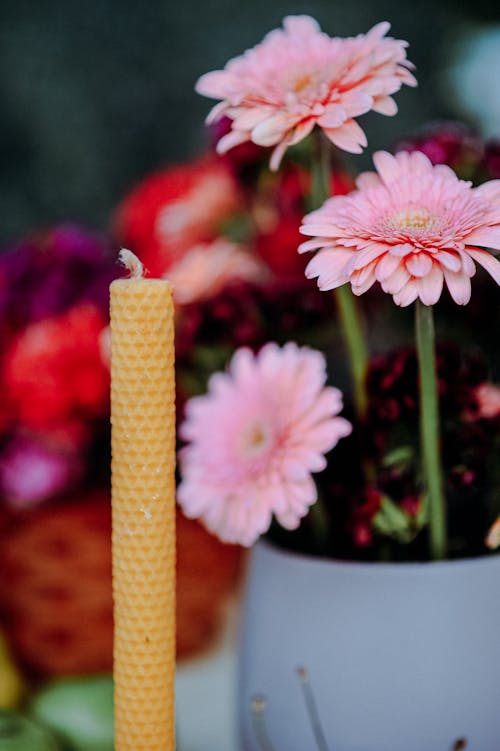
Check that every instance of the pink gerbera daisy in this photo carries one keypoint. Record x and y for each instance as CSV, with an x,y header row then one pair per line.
x,y
298,77
410,227
254,440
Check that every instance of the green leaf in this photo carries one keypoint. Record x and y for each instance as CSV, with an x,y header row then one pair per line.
x,y
400,456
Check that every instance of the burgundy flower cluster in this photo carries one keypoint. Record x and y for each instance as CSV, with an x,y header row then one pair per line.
x,y
470,426
460,147
373,504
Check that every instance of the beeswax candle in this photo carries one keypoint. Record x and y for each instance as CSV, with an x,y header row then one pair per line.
x,y
143,503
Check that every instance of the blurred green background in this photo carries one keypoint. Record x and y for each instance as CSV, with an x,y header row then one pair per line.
x,y
96,94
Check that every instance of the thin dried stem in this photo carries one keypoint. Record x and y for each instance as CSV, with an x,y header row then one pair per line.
x,y
312,709
259,723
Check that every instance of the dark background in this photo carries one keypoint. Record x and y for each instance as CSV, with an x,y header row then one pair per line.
x,y
96,94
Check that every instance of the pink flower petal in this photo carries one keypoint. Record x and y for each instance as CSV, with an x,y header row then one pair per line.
x,y
468,265
367,180
458,285
431,286
357,72
334,116
448,260
407,77
360,259
301,131
489,237
419,264
487,261
387,166
349,137
313,226
400,251
360,276
248,119
356,103
231,139
317,242
211,84
419,162
379,30
278,153
216,112
489,191
407,294
387,266
328,265
385,106
396,281
361,281
271,130
301,25
329,401
289,520
208,267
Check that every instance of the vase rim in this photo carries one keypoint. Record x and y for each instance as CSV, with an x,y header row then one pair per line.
x,y
401,566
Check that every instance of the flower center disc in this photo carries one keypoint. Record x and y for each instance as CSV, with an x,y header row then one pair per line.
x,y
412,218
255,439
301,83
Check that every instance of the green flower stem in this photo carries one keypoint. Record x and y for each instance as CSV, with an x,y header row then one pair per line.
x,y
319,524
320,171
429,429
352,330
348,310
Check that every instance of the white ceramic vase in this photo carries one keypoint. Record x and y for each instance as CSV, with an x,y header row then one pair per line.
x,y
401,657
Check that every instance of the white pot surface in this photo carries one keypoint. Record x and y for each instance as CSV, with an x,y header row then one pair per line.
x,y
401,657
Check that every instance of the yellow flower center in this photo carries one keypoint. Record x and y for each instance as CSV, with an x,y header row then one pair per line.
x,y
255,438
413,218
301,83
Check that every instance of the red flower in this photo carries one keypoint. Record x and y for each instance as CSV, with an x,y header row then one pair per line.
x,y
176,208
54,373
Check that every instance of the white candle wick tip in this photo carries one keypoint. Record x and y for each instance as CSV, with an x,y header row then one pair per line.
x,y
131,263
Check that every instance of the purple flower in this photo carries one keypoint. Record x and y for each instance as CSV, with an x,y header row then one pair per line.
x,y
46,273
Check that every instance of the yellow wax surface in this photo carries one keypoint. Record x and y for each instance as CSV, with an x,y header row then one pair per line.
x,y
143,502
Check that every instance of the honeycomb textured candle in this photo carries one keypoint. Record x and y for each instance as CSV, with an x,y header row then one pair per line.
x,y
143,500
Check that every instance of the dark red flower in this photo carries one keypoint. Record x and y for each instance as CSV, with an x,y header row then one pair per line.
x,y
491,161
363,513
451,143
240,157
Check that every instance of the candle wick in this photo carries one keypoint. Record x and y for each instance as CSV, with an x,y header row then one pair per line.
x,y
131,263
